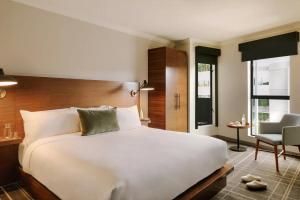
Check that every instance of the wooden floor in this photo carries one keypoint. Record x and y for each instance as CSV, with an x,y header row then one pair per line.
x,y
284,186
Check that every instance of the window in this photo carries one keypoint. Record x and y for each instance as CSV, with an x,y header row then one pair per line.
x,y
206,85
205,94
269,81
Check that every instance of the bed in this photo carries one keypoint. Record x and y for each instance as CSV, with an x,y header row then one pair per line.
x,y
142,163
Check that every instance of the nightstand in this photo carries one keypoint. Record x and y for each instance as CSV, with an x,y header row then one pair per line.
x,y
9,160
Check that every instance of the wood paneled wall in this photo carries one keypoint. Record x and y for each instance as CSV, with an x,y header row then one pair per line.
x,y
40,93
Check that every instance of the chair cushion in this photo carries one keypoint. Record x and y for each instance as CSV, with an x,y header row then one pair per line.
x,y
270,138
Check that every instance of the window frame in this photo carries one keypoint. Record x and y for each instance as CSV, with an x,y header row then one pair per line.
x,y
254,97
213,89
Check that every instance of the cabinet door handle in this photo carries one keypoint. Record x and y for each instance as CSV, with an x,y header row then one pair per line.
x,y
177,101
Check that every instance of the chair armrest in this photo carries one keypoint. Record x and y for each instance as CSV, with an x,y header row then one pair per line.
x,y
291,135
269,127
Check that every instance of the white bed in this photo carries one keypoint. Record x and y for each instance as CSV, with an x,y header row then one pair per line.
x,y
139,164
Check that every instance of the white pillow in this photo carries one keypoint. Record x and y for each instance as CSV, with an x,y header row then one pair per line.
x,y
48,123
128,118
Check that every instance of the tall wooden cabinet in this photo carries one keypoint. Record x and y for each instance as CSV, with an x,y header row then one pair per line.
x,y
168,103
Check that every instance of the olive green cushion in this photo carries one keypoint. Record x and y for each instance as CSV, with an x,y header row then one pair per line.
x,y
98,121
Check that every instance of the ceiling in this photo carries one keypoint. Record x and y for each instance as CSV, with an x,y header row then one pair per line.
x,y
207,20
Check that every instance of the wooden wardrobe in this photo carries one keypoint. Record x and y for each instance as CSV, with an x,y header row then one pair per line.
x,y
167,104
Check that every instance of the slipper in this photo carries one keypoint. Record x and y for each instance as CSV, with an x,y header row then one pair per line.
x,y
256,185
249,178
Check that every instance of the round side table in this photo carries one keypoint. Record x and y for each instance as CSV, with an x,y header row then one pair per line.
x,y
238,147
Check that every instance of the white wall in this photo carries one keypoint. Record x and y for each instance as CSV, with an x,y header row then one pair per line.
x,y
233,89
39,43
189,46
203,130
295,82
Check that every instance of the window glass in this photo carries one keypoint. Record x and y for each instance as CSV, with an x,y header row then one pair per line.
x,y
204,90
267,110
270,90
270,76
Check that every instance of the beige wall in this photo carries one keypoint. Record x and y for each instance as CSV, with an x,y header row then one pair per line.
x,y
233,88
233,95
295,82
189,46
39,43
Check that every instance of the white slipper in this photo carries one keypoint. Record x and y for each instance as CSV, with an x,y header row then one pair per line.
x,y
249,178
256,185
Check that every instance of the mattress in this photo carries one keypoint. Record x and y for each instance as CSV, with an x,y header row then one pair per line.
x,y
143,163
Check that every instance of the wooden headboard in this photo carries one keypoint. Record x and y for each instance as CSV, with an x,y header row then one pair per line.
x,y
39,93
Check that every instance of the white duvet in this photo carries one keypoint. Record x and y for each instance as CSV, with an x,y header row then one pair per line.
x,y
141,164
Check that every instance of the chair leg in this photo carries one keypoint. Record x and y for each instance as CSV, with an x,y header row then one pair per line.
x,y
257,146
283,149
276,157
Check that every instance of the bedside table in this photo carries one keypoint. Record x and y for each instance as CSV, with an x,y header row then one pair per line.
x,y
9,160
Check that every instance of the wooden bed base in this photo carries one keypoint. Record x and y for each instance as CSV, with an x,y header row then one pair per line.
x,y
208,187
204,189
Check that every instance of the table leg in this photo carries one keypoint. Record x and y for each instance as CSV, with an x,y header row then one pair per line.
x,y
238,138
237,147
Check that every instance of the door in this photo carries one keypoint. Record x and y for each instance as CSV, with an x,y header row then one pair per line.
x,y
176,91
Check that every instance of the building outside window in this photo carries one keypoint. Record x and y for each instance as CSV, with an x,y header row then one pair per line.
x,y
204,82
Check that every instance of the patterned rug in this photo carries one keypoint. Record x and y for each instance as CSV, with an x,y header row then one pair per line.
x,y
284,186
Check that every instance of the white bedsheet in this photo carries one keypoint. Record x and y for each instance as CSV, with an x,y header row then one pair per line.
x,y
140,164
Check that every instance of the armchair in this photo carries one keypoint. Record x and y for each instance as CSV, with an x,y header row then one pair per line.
x,y
285,132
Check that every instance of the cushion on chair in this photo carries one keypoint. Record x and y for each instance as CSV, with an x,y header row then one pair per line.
x,y
275,139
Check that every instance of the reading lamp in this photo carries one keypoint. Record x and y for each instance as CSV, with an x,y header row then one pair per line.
x,y
5,81
143,86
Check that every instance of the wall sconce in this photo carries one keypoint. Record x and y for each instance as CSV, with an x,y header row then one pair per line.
x,y
5,81
143,86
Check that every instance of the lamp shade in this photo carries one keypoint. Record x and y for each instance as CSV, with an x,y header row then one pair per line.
x,y
146,86
6,80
